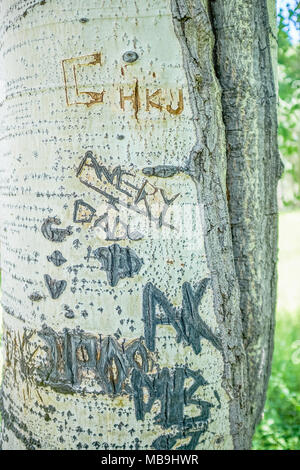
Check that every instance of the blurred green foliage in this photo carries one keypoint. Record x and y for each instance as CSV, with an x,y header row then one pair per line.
x,y
289,105
280,426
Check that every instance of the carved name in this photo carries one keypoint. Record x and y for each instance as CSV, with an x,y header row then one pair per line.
x,y
73,357
121,188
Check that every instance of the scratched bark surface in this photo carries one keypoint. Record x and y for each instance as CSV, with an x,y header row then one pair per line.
x,y
122,306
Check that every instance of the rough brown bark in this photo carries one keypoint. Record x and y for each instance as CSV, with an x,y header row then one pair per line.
x,y
208,161
244,42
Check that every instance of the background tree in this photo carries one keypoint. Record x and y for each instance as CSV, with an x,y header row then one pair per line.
x,y
139,222
280,427
289,98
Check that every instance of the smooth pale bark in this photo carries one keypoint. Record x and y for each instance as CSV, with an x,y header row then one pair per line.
x,y
123,321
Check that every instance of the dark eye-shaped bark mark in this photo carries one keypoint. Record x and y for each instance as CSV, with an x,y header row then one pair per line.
x,y
118,262
163,171
57,258
187,322
56,288
55,234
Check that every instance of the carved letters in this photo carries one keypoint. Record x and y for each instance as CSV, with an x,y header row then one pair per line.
x,y
167,386
57,235
127,368
73,89
80,73
120,188
83,212
73,356
189,327
116,229
77,360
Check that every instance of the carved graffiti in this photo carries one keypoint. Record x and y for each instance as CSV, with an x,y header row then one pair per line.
x,y
74,90
118,262
74,361
134,98
52,233
187,322
83,212
73,356
21,352
121,188
79,88
56,288
152,100
167,386
116,229
56,258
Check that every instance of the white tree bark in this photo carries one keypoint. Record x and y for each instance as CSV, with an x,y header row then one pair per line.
x,y
122,316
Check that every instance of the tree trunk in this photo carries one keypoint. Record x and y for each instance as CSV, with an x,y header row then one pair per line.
x,y
246,33
138,222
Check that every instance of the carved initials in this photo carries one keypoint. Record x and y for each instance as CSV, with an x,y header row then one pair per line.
x,y
167,386
189,326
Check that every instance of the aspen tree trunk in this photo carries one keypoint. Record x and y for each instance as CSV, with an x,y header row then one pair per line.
x,y
138,172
